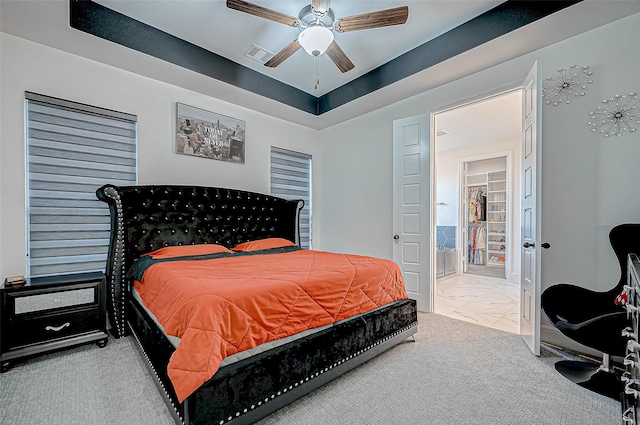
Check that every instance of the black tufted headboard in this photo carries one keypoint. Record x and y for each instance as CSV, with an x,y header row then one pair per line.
x,y
145,218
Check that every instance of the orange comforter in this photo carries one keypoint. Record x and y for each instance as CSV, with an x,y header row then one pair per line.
x,y
225,305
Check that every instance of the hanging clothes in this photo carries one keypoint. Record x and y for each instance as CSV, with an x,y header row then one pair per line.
x,y
477,231
477,236
477,204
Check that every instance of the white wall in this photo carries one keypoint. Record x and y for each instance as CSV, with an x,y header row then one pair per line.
x,y
589,183
28,66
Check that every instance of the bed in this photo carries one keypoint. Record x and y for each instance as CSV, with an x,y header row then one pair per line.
x,y
146,219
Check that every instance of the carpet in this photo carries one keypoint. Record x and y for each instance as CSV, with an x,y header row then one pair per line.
x,y
454,373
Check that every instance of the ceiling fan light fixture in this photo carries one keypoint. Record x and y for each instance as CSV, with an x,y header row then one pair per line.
x,y
315,39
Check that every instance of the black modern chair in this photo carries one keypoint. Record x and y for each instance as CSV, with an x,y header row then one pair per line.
x,y
595,320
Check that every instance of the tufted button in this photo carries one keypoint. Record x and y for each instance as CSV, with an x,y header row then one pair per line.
x,y
173,231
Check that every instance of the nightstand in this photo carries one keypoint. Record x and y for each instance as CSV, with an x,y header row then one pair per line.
x,y
49,313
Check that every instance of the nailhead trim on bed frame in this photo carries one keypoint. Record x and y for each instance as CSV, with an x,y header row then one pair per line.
x,y
117,280
176,412
157,377
322,371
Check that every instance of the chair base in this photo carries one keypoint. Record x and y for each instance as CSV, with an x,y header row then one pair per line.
x,y
592,377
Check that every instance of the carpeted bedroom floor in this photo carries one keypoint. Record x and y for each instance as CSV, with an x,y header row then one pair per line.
x,y
455,372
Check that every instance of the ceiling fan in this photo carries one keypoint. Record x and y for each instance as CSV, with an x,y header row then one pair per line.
x,y
317,23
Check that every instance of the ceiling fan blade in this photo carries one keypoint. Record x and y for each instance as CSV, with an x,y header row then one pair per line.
x,y
283,54
339,57
381,18
320,6
262,12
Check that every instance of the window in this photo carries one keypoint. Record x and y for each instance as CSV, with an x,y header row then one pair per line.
x,y
72,150
291,179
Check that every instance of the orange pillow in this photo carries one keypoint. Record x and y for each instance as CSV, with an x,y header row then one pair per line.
x,y
263,244
185,250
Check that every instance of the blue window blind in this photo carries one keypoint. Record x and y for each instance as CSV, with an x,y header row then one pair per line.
x,y
291,179
72,150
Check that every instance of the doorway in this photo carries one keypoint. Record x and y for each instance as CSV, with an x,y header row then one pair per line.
x,y
477,211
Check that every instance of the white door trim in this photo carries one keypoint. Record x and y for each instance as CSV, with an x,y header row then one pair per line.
x,y
506,89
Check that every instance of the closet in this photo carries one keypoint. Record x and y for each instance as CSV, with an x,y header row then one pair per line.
x,y
485,211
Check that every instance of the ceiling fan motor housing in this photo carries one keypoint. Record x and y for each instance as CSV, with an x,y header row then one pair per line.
x,y
308,17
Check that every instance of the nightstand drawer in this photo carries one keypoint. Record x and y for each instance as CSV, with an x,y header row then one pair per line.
x,y
50,327
28,304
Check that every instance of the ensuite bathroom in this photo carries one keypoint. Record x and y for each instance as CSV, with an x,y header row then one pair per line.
x,y
478,213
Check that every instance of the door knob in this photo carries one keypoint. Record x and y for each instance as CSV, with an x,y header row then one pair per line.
x,y
529,245
396,237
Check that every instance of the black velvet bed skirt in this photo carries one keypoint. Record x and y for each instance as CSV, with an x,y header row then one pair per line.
x,y
250,389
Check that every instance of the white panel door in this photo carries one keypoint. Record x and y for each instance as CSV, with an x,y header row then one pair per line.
x,y
411,206
530,229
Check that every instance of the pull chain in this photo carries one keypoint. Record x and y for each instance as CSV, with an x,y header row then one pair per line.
x,y
317,72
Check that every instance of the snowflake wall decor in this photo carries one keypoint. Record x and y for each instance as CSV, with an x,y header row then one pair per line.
x,y
565,83
622,113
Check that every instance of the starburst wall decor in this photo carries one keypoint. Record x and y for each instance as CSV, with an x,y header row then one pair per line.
x,y
566,83
614,116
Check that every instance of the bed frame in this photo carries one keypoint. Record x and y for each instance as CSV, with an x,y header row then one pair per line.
x,y
145,218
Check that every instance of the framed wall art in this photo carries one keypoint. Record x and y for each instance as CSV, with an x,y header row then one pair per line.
x,y
209,135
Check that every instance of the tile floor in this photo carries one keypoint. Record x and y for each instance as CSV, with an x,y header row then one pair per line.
x,y
487,301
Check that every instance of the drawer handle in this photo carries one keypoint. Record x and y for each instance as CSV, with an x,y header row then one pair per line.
x,y
628,332
630,360
631,391
627,416
57,328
